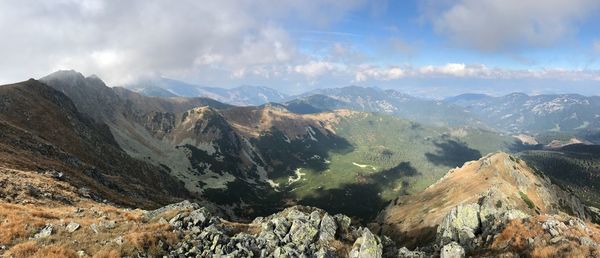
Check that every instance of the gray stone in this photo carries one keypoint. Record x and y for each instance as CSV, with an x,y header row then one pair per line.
x,y
176,218
108,224
199,217
119,240
315,218
303,232
586,241
460,225
162,221
556,239
46,231
184,205
72,227
405,253
452,250
94,228
366,246
327,228
282,226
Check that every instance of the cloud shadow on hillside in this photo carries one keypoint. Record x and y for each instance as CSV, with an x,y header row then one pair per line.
x,y
452,153
362,200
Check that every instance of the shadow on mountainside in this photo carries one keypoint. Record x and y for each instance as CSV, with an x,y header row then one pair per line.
x,y
310,152
362,200
452,153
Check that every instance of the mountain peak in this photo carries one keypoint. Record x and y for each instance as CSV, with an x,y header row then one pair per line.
x,y
65,74
504,181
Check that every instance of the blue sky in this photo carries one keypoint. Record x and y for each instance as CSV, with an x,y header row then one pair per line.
x,y
431,48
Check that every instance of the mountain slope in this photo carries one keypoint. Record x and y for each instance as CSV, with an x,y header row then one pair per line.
x,y
576,166
43,130
254,160
431,112
497,182
518,112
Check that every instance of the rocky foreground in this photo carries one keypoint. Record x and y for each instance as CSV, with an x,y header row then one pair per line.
x,y
43,216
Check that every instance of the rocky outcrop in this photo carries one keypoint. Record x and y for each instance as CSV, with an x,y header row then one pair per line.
x,y
474,199
366,246
297,231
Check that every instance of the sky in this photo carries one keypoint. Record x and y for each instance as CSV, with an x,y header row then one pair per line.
x,y
431,48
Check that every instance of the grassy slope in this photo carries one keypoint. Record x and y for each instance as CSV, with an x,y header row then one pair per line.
x,y
389,157
577,169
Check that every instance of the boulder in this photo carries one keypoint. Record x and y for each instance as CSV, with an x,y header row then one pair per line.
x,y
303,232
452,250
72,227
46,231
405,253
327,228
366,246
461,224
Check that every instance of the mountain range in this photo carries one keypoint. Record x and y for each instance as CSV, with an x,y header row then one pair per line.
x,y
245,95
518,112
439,177
513,113
254,159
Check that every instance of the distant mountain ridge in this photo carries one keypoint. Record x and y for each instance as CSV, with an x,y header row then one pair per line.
x,y
244,95
367,99
515,113
519,112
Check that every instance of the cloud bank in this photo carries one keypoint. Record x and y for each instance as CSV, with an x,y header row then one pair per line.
x,y
232,42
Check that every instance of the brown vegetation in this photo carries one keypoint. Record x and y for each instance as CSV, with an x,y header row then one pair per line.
x,y
516,236
20,221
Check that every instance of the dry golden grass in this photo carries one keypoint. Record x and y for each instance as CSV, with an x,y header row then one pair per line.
x,y
34,250
25,249
17,223
513,239
107,253
21,221
516,233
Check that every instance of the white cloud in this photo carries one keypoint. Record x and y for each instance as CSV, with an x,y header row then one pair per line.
x,y
378,73
473,71
316,68
124,39
498,25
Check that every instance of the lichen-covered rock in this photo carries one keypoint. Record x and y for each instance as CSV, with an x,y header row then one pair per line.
x,y
405,253
327,228
297,231
452,250
303,232
460,225
366,246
